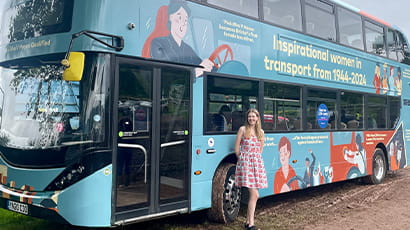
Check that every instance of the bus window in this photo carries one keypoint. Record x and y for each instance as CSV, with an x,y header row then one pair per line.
x,y
394,110
392,44
350,29
287,13
402,45
351,110
228,99
374,39
46,17
246,7
320,20
320,109
376,110
1,105
282,107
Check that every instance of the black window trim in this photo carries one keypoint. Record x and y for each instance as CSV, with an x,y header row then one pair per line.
x,y
304,98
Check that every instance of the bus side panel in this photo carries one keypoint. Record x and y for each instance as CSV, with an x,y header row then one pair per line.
x,y
405,107
314,159
88,203
207,162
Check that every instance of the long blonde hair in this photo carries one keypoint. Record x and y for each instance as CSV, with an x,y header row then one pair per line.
x,y
258,129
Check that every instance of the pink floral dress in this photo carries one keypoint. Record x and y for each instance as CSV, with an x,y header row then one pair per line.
x,y
250,170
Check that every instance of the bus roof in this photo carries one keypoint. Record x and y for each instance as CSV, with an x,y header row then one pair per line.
x,y
363,13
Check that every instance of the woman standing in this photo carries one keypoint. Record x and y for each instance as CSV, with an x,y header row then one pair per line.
x,y
250,170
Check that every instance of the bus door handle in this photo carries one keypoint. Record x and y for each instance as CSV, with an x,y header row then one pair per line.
x,y
142,148
168,144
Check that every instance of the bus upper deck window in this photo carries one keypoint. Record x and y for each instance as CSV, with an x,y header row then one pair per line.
x,y
246,7
350,28
285,13
320,20
391,44
375,39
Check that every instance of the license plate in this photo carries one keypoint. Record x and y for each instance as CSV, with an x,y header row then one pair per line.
x,y
18,207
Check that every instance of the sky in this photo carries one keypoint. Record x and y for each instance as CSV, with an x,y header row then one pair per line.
x,y
394,12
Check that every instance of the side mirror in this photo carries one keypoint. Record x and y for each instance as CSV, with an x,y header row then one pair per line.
x,y
75,66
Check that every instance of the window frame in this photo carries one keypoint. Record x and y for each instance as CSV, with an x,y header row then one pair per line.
x,y
301,15
207,122
338,16
314,4
289,124
305,97
374,25
218,4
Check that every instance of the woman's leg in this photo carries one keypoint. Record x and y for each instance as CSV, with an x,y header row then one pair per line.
x,y
253,198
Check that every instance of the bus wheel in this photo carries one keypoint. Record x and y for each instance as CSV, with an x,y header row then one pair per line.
x,y
379,168
226,196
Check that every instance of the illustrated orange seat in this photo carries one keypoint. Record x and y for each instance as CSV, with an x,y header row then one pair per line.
x,y
160,30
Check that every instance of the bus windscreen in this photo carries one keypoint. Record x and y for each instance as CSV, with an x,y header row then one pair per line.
x,y
23,19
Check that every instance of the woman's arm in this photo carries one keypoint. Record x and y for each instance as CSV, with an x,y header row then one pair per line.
x,y
238,140
262,141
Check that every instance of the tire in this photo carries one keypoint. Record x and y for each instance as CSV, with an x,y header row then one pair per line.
x,y
226,196
379,168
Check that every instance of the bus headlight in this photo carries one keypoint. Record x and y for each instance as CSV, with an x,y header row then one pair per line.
x,y
69,176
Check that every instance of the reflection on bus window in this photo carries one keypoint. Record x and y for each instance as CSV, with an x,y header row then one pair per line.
x,y
318,99
394,110
391,44
227,102
376,112
246,7
403,47
320,20
374,39
352,110
282,107
1,105
46,17
286,13
350,29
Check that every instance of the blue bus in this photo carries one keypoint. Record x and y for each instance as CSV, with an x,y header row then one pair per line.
x,y
116,112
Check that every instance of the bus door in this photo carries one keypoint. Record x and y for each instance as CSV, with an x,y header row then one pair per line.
x,y
153,149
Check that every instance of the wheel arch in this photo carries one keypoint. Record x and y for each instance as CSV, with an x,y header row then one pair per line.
x,y
384,149
379,166
224,208
230,158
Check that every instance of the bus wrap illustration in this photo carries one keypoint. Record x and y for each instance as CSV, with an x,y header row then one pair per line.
x,y
166,42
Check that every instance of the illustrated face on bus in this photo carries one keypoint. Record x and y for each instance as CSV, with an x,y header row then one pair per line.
x,y
385,70
179,24
307,162
377,71
284,155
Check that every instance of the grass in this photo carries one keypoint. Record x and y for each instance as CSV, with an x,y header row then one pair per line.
x,y
14,221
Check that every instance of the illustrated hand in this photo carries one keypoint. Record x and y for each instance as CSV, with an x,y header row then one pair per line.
x,y
285,188
207,66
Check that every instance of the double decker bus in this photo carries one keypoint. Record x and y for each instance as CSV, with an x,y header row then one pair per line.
x,y
116,112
